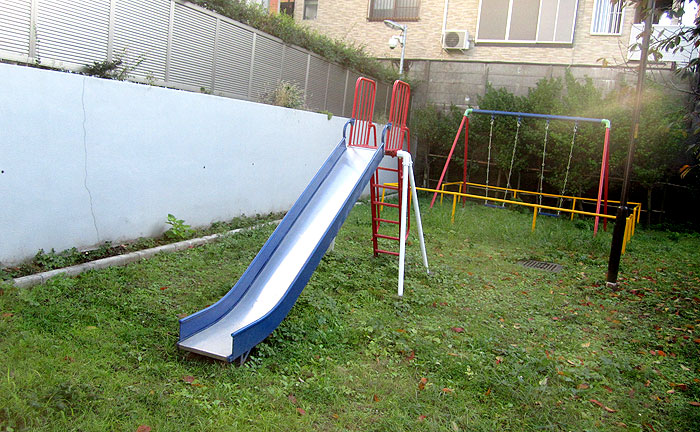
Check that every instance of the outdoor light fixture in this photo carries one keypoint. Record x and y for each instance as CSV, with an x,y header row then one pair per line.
x,y
394,41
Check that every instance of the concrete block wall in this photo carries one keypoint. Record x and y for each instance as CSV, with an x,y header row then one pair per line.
x,y
450,82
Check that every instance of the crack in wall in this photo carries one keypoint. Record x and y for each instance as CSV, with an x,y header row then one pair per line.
x,y
85,152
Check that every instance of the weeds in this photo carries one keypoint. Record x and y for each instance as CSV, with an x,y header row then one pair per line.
x,y
179,230
286,94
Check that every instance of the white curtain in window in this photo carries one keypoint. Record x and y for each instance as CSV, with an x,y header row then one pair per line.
x,y
607,17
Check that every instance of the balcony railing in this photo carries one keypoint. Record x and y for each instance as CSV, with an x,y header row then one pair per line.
x,y
399,10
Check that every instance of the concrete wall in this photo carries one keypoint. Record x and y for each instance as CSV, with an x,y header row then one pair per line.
x,y
85,160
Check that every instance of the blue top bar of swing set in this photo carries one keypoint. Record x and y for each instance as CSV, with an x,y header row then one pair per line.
x,y
606,122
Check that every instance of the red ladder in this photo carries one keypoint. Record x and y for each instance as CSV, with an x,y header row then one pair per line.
x,y
397,135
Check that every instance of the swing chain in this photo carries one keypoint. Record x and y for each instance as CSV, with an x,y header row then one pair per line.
x,y
544,156
568,164
488,161
512,157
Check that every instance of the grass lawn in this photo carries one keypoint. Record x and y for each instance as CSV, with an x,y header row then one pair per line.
x,y
483,344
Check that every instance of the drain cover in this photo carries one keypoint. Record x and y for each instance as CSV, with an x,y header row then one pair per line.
x,y
541,265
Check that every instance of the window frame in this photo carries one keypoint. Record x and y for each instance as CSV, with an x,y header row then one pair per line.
x,y
394,18
303,12
621,22
535,41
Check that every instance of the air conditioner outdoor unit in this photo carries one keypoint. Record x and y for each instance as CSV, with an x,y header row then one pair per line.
x,y
455,39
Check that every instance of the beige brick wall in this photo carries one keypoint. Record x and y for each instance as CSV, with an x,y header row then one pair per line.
x,y
347,20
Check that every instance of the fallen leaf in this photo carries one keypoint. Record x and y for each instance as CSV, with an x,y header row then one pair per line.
x,y
585,345
694,403
457,329
610,390
622,425
488,392
163,288
182,315
301,411
608,409
335,416
292,399
375,398
411,356
696,341
555,318
499,359
188,379
422,383
583,386
401,330
447,390
7,314
543,381
143,428
421,417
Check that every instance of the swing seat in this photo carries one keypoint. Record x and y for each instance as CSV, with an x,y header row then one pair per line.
x,y
495,206
543,213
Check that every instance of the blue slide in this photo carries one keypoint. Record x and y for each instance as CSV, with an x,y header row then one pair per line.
x,y
266,292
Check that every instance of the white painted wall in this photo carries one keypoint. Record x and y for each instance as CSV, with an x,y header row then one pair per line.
x,y
86,160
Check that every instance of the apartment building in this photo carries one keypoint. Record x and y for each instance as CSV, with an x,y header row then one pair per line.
x,y
456,46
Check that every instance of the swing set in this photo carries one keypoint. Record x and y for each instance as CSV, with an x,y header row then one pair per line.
x,y
600,201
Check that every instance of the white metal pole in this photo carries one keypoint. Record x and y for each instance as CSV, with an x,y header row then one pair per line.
x,y
408,174
403,48
416,208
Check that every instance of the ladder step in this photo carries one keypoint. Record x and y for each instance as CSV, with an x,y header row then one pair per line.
x,y
387,187
385,204
387,221
388,169
387,252
386,237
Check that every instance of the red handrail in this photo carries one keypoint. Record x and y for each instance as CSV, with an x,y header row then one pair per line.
x,y
398,115
362,111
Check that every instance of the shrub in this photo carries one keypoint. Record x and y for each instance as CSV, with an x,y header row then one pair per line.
x,y
286,94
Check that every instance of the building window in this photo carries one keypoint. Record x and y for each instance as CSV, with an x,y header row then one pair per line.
x,y
287,7
310,9
527,21
400,10
607,17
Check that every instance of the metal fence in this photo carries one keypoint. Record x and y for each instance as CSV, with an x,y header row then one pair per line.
x,y
175,44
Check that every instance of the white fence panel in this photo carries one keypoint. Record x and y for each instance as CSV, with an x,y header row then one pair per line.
x,y
141,36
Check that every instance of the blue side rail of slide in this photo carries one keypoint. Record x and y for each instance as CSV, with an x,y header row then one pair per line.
x,y
268,289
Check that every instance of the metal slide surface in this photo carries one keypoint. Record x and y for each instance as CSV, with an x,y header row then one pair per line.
x,y
267,290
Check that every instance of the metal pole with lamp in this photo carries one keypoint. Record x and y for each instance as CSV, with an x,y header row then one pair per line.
x,y
395,40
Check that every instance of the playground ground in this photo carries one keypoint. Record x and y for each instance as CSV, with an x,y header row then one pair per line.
x,y
483,344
